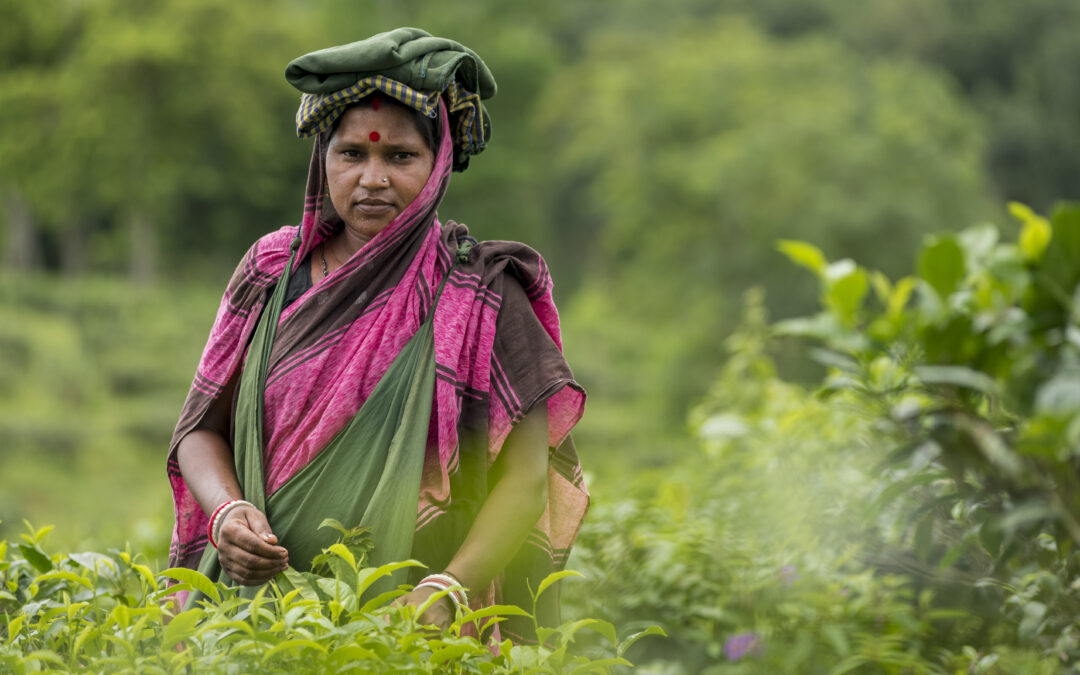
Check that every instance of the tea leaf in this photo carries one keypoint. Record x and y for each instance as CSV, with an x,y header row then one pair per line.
x,y
197,580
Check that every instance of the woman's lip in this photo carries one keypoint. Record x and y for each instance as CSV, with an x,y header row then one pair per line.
x,y
373,206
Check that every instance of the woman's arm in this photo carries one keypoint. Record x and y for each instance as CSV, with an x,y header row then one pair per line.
x,y
506,517
247,548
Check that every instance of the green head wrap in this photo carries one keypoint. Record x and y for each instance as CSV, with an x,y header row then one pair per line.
x,y
408,64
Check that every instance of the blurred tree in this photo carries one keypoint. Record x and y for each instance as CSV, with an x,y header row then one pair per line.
x,y
1016,62
165,121
34,41
698,152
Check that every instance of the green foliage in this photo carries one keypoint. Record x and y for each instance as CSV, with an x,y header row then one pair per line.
x,y
110,613
968,372
92,375
749,551
692,167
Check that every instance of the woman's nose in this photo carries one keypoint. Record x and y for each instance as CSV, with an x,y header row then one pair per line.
x,y
374,175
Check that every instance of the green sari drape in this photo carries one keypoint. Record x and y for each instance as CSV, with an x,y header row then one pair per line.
x,y
368,475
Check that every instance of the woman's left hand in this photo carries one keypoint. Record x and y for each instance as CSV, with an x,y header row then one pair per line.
x,y
440,614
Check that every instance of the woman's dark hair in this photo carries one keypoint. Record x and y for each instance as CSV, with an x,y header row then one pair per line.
x,y
424,125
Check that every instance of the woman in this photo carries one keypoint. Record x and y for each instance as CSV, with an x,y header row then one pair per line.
x,y
375,367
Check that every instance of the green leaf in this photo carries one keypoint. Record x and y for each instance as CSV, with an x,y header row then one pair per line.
x,y
450,652
44,655
805,255
941,264
382,599
958,376
552,578
36,557
600,665
197,580
846,288
1035,232
491,610
334,524
343,552
567,631
180,627
629,641
901,293
66,576
837,639
297,644
369,576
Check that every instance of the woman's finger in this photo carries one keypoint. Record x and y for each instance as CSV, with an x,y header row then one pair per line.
x,y
248,530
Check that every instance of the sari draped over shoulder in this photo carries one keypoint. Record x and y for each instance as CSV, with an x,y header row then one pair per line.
x,y
497,352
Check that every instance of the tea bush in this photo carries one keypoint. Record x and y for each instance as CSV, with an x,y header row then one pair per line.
x,y
109,613
918,512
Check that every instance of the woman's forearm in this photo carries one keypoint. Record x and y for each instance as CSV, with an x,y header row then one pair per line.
x,y
206,462
512,507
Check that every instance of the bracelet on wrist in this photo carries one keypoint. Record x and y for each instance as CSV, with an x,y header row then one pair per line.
x,y
446,582
213,528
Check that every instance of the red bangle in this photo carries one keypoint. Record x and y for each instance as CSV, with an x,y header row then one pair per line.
x,y
210,525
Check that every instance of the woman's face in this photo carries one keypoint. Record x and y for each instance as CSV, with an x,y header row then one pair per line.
x,y
376,164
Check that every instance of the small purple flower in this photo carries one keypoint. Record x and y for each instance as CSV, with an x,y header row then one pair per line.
x,y
789,574
743,644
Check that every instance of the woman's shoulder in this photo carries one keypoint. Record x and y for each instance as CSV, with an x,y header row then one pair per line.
x,y
270,252
496,261
265,259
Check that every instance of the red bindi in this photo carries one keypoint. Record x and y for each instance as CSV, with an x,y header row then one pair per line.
x,y
374,136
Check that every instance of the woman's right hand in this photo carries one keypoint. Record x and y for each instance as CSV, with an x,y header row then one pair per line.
x,y
247,548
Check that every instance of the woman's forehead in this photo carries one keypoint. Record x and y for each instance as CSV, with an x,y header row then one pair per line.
x,y
387,120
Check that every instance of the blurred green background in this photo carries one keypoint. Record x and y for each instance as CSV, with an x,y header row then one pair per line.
x,y
654,152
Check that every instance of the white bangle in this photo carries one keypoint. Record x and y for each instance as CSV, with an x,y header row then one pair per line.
x,y
219,519
445,582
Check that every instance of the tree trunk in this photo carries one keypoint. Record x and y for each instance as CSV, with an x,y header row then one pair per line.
x,y
73,250
143,249
22,247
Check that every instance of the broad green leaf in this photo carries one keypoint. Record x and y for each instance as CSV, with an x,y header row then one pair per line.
x,y
36,557
552,578
297,644
900,295
492,610
450,652
334,524
600,665
197,580
352,653
958,376
941,264
369,576
343,552
146,574
14,627
567,631
44,656
629,641
85,634
382,599
431,600
65,576
1035,231
804,254
180,627
845,289
837,639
